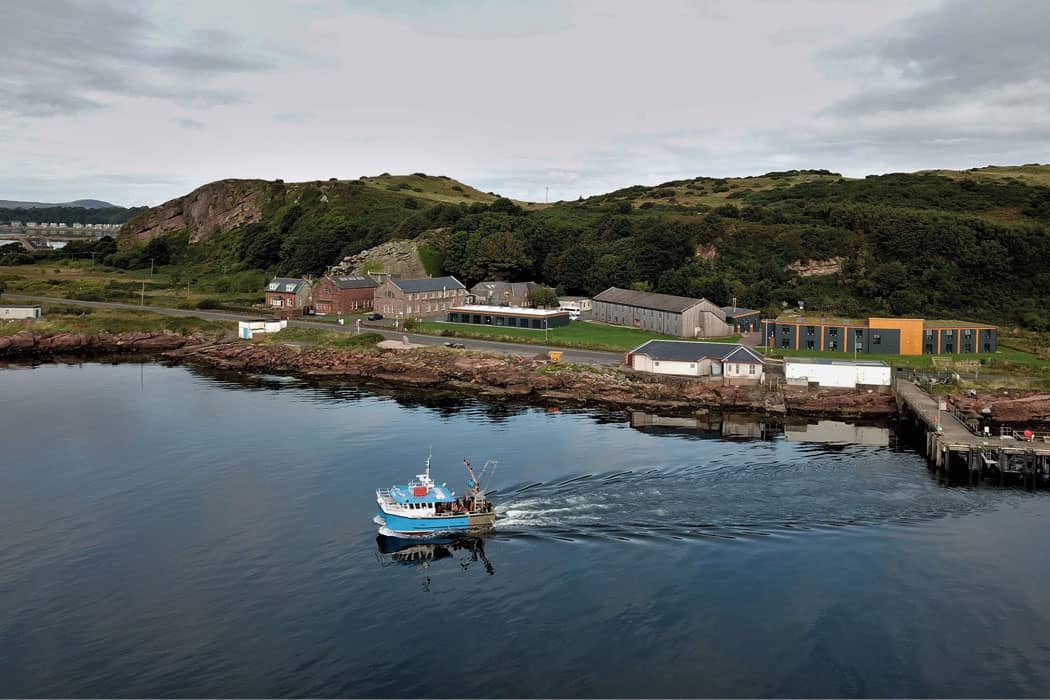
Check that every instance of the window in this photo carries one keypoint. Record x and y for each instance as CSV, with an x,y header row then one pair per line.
x,y
929,348
811,331
968,348
750,369
876,338
967,332
692,365
948,347
786,330
784,343
833,331
809,344
859,332
987,347
948,332
833,345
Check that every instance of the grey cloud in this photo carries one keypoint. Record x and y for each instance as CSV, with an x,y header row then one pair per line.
x,y
959,51
68,56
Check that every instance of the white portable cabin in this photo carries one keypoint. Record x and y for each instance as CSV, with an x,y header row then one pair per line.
x,y
260,326
13,313
836,373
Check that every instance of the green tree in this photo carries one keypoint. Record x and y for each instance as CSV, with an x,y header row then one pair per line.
x,y
158,251
500,256
541,296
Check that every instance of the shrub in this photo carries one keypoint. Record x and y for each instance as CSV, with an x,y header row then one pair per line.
x,y
209,303
645,205
457,188
411,203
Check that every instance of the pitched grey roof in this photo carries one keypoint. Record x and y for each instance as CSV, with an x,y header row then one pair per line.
x,y
690,351
427,284
497,289
737,311
286,284
647,300
352,281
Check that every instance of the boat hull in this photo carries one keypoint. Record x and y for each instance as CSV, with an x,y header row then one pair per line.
x,y
473,521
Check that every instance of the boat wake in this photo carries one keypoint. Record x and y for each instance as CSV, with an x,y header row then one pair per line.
x,y
720,500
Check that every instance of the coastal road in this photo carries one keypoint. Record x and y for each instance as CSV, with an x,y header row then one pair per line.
x,y
587,357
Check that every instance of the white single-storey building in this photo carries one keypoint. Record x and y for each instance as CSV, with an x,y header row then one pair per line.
x,y
696,359
581,303
828,372
259,326
12,313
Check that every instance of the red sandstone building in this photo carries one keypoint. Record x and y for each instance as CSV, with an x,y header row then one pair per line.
x,y
339,295
288,295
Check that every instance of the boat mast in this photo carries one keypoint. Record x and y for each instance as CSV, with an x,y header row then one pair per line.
x,y
473,477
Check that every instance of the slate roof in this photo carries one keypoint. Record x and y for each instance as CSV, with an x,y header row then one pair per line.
x,y
427,284
352,281
286,284
691,351
735,311
647,300
498,288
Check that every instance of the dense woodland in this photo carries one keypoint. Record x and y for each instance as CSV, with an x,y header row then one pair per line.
x,y
908,244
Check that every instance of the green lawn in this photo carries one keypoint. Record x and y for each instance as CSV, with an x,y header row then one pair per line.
x,y
578,334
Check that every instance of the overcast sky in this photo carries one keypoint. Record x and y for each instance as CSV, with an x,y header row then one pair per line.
x,y
139,102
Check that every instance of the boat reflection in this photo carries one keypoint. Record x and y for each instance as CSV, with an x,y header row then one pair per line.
x,y
422,551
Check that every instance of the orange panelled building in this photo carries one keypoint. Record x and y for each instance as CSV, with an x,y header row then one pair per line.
x,y
879,336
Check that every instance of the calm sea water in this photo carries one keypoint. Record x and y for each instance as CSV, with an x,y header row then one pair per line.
x,y
170,533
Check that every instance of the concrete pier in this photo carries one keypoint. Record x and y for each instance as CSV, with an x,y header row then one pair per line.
x,y
953,444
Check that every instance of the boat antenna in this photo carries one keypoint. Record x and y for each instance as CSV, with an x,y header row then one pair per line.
x,y
429,455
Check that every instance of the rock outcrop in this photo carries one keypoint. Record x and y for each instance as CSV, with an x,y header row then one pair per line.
x,y
816,268
222,205
397,258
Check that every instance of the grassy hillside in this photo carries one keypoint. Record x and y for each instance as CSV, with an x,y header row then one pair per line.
x,y
969,244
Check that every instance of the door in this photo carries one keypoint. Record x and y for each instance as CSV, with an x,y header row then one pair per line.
x,y
716,368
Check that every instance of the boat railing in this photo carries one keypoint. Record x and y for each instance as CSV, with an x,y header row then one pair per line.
x,y
385,495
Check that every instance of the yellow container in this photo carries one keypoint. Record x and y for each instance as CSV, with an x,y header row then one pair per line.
x,y
555,355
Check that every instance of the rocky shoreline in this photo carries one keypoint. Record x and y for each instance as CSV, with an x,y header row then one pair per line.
x,y
532,381
501,378
44,346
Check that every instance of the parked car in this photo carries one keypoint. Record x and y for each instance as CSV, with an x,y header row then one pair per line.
x,y
451,344
374,316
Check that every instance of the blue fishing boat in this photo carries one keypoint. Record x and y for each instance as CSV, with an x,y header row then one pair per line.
x,y
422,506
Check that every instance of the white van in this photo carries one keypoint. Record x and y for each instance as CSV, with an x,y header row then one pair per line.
x,y
574,311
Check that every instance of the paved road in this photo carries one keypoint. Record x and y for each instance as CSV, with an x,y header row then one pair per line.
x,y
590,357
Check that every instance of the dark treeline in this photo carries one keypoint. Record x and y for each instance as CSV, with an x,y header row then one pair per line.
x,y
70,215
